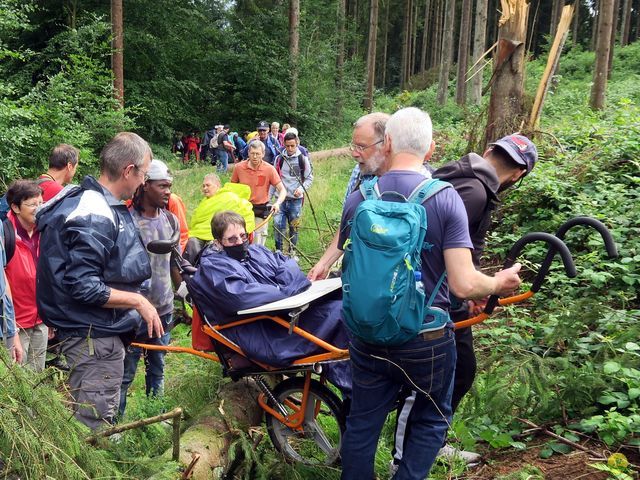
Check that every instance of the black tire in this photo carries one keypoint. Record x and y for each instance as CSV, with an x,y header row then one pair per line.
x,y
320,441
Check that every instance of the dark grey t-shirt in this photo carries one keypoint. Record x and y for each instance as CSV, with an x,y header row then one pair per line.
x,y
447,226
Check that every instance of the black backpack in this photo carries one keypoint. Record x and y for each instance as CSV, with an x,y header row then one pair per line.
x,y
280,162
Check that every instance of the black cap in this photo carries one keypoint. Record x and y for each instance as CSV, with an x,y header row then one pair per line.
x,y
262,125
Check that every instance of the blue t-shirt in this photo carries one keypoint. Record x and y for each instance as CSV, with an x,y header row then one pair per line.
x,y
447,226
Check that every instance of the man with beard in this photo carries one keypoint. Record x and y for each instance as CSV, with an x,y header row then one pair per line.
x,y
155,223
366,149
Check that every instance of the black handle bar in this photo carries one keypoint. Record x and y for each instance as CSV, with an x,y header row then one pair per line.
x,y
609,244
555,246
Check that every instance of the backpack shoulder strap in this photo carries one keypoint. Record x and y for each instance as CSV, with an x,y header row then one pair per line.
x,y
9,239
436,289
427,189
301,165
369,189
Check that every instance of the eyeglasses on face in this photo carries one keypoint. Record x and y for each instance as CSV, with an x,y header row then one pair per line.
x,y
234,239
359,148
31,204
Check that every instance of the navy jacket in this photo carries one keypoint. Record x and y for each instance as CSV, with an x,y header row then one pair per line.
x,y
89,243
223,286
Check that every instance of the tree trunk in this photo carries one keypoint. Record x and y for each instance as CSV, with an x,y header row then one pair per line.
x,y
425,36
436,46
217,427
507,88
414,39
614,31
479,45
594,24
625,25
294,51
576,22
463,52
447,51
405,45
552,64
603,46
371,55
386,44
637,36
117,47
556,11
340,34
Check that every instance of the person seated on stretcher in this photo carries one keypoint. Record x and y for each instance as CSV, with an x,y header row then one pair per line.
x,y
234,276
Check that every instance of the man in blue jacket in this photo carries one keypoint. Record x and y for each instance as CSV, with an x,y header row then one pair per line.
x,y
91,267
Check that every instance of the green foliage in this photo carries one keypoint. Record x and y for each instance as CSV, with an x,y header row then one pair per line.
x,y
38,436
71,103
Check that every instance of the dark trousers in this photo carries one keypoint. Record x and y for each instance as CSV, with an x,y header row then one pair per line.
x,y
464,376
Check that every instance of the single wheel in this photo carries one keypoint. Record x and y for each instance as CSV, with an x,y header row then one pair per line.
x,y
320,436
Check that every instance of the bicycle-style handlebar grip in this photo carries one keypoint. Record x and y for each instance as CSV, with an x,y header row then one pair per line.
x,y
609,243
555,246
607,238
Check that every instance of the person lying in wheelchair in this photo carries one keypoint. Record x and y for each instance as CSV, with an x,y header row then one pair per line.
x,y
234,276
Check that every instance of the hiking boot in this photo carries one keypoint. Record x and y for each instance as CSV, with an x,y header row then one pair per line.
x,y
450,452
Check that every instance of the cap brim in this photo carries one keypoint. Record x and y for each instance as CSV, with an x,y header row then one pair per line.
x,y
515,156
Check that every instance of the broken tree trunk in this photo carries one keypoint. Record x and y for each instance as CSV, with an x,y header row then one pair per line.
x,y
552,64
204,446
507,82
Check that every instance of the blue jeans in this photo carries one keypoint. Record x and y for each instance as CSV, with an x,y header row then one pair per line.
x,y
223,160
289,212
153,362
430,364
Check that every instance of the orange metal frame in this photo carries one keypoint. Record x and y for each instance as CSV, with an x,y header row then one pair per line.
x,y
481,317
294,420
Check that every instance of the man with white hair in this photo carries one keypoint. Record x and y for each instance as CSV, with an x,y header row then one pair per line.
x,y
426,362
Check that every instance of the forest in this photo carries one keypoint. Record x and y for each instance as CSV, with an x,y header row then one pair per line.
x,y
558,388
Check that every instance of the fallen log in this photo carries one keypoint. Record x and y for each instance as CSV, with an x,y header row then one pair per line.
x,y
210,436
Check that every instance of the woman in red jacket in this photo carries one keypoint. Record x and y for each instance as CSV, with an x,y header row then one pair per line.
x,y
24,197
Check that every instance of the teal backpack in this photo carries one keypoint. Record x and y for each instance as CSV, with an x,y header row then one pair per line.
x,y
382,303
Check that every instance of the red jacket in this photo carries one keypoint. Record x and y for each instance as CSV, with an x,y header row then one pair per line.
x,y
21,273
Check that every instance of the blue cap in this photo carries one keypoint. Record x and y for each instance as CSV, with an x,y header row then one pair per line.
x,y
520,149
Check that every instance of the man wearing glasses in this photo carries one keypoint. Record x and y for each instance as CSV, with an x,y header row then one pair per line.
x,y
366,149
91,267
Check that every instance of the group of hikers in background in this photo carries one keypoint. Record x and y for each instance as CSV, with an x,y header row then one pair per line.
x,y
221,146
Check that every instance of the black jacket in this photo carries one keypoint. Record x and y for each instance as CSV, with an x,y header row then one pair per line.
x,y
89,243
476,181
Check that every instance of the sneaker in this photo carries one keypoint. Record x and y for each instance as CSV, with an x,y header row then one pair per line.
x,y
393,468
450,452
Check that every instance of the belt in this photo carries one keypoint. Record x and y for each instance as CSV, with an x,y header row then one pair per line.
x,y
433,335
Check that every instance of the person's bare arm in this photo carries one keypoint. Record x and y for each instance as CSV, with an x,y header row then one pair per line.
x,y
282,196
321,269
122,299
467,282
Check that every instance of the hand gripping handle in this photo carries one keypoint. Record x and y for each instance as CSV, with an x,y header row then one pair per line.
x,y
555,246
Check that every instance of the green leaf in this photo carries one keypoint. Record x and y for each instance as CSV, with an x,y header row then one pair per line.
x,y
634,393
611,367
560,448
632,347
606,399
546,453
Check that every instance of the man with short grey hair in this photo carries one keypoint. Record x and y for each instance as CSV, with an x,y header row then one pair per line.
x,y
91,269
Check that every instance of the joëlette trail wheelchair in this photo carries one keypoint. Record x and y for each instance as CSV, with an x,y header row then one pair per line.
x,y
305,419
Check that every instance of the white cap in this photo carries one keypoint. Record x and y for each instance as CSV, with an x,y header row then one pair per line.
x,y
293,130
158,170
